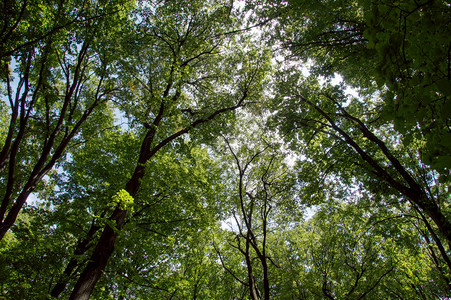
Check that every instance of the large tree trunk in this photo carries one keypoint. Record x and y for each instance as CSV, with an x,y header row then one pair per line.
x,y
410,188
105,246
99,258
431,209
82,246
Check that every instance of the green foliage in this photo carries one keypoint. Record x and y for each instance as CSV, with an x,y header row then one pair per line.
x,y
56,82
182,94
124,200
344,144
33,250
377,257
418,75
378,46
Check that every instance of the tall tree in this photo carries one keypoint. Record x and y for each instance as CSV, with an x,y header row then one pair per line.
x,y
62,79
178,82
379,45
142,126
328,124
263,195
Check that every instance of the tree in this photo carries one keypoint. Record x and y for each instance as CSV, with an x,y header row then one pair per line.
x,y
379,46
179,197
246,224
325,119
63,79
346,252
186,42
263,196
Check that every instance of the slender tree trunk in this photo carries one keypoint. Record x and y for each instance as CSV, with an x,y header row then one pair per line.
x,y
265,278
250,274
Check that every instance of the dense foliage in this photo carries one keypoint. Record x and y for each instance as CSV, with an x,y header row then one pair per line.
x,y
225,149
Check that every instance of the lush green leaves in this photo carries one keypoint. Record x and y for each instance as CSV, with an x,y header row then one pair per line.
x,y
157,124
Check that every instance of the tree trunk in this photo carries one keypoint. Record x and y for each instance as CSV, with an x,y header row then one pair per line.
x,y
105,246
82,247
433,211
265,279
99,258
254,294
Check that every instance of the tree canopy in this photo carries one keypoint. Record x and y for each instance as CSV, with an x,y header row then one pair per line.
x,y
225,149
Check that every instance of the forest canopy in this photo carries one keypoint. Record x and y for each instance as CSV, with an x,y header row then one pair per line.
x,y
225,149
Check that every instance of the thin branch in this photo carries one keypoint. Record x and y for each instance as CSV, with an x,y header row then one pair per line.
x,y
226,268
